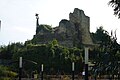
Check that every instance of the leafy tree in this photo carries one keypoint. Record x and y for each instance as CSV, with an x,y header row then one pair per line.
x,y
116,5
6,52
107,54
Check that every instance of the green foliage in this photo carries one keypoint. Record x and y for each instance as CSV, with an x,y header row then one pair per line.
x,y
45,28
117,55
6,74
6,52
55,42
101,36
74,53
106,56
53,56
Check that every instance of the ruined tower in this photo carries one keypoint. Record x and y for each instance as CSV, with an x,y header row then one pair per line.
x,y
82,26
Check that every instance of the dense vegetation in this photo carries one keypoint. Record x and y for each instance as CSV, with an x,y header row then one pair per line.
x,y
6,73
107,56
52,55
58,59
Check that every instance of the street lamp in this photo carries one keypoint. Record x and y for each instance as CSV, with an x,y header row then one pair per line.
x,y
86,47
73,69
20,68
86,63
42,72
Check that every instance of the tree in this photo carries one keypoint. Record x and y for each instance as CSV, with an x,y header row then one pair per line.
x,y
107,54
6,73
116,5
6,52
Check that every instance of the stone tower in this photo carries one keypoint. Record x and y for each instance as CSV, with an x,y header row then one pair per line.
x,y
82,26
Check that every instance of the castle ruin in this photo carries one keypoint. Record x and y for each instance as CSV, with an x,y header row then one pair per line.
x,y
72,32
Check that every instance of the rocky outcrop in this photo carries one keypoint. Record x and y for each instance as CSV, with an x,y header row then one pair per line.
x,y
72,32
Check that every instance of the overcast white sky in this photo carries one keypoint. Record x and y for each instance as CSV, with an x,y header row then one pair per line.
x,y
18,21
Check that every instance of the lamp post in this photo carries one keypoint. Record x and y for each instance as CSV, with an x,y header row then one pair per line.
x,y
20,68
73,69
86,47
86,63
42,72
